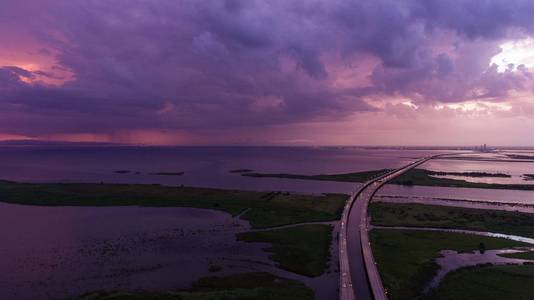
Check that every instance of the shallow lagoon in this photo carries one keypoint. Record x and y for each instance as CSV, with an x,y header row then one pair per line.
x,y
63,252
57,252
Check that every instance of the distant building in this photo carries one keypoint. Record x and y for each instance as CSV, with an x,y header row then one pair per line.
x,y
485,149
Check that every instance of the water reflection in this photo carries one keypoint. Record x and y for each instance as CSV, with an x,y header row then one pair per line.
x,y
451,260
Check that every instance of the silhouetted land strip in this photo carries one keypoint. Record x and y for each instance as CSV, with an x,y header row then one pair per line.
x,y
154,173
412,177
511,160
421,215
519,156
267,209
520,255
344,177
303,249
167,173
235,287
487,282
241,171
425,178
407,258
470,174
122,172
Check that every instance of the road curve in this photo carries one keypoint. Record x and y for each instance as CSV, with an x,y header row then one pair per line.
x,y
359,277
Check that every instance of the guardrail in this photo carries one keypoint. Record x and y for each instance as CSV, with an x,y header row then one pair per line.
x,y
377,288
346,290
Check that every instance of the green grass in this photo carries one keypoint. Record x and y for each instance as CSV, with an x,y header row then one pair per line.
x,y
487,283
406,258
520,255
283,208
421,215
266,208
247,286
302,249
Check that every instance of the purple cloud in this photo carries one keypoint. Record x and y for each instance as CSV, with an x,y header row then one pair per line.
x,y
192,65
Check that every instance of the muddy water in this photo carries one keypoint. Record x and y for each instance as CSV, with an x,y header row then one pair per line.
x,y
61,252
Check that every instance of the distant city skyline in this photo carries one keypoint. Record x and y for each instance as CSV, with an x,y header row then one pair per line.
x,y
246,72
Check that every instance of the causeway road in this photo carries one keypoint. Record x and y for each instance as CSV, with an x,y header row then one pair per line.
x,y
359,277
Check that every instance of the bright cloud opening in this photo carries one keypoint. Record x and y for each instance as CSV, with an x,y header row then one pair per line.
x,y
519,52
479,106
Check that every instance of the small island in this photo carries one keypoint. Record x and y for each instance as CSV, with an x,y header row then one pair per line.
x,y
122,172
167,173
241,171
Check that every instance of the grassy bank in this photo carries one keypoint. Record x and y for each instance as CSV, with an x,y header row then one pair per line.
x,y
406,258
412,177
520,255
488,282
471,174
303,249
421,215
266,208
425,178
262,286
344,177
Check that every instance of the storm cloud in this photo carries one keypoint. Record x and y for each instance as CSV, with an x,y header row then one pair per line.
x,y
195,65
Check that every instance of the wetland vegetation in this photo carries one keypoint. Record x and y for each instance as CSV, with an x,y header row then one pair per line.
x,y
407,258
302,249
261,209
487,282
421,177
262,286
421,215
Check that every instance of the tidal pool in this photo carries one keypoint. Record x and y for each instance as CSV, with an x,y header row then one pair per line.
x,y
452,260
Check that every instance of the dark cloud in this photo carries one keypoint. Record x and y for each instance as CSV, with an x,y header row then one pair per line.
x,y
196,64
10,78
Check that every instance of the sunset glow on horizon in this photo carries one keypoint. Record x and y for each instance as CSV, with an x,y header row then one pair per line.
x,y
267,72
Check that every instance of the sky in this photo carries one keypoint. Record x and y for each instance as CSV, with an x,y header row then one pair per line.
x,y
273,72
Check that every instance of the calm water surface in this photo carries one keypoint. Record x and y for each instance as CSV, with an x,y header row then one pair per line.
x,y
210,166
59,252
62,252
203,166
